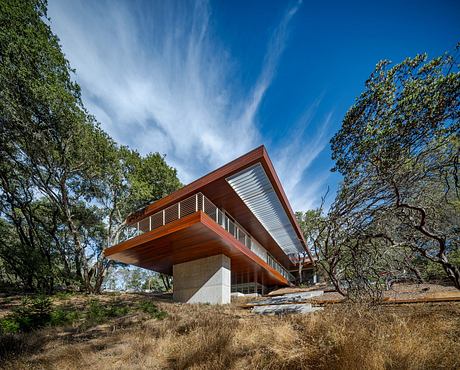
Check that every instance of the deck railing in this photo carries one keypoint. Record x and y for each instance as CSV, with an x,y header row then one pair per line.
x,y
192,204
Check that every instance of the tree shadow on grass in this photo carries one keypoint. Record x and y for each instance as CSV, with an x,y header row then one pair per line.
x,y
15,345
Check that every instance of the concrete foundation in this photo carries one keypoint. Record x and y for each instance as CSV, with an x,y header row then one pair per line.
x,y
205,280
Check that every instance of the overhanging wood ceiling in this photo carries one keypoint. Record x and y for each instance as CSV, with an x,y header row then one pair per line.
x,y
216,187
193,237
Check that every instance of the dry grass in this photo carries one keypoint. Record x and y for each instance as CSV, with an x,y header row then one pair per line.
x,y
208,337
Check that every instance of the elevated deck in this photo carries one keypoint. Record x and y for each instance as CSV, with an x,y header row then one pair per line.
x,y
189,238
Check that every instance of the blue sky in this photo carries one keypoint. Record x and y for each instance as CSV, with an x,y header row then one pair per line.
x,y
204,82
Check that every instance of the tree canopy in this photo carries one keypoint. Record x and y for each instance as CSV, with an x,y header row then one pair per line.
x,y
65,186
398,151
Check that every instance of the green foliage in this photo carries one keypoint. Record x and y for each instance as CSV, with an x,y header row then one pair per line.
x,y
310,222
35,313
9,325
434,271
398,150
98,313
65,186
150,308
134,278
143,179
401,107
64,316
31,314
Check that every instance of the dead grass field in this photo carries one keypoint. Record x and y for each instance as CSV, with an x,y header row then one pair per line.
x,y
416,336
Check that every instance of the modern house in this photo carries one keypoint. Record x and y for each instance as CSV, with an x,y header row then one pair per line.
x,y
232,230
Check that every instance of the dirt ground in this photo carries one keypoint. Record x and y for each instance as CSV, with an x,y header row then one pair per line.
x,y
415,336
398,291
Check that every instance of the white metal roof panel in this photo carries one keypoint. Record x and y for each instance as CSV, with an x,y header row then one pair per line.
x,y
255,189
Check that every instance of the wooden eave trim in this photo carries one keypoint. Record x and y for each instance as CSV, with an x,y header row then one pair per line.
x,y
236,165
256,155
188,221
164,230
211,224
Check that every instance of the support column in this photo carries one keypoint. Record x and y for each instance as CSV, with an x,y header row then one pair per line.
x,y
205,280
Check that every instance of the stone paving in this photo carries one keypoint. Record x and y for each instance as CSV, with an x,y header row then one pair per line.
x,y
286,304
283,309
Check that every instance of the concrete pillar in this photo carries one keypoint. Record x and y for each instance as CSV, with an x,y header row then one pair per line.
x,y
205,280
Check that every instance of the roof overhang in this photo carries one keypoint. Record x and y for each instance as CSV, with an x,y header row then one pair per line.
x,y
267,217
192,237
254,187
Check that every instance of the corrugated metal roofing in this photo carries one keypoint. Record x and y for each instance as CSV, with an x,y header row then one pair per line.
x,y
255,189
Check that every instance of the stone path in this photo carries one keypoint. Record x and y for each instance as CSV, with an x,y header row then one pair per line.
x,y
286,304
283,309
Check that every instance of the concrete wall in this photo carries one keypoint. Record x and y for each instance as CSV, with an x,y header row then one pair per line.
x,y
205,280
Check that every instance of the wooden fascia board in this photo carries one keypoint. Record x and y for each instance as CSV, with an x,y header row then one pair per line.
x,y
164,230
187,222
257,155
211,224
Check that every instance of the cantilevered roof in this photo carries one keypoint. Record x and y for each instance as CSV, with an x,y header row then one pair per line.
x,y
195,236
268,217
255,189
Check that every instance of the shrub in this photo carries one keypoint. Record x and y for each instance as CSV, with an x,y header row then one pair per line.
x,y
117,311
152,310
9,326
97,313
31,314
37,312
63,316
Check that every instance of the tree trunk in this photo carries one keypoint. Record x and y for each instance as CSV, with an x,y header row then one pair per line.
x,y
101,272
300,268
166,281
451,270
417,273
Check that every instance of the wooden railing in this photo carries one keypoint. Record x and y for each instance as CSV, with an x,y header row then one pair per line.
x,y
192,204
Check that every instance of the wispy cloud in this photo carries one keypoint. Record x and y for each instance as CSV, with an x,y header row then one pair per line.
x,y
297,152
274,51
158,79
